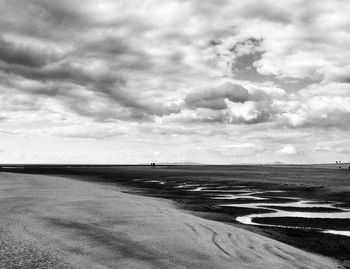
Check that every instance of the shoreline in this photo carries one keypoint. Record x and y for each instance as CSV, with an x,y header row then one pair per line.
x,y
87,225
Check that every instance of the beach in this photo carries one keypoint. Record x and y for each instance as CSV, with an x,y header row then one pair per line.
x,y
59,222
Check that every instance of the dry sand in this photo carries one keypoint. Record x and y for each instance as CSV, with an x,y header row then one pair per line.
x,y
54,222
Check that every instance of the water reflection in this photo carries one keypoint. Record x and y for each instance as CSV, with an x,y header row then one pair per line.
x,y
289,210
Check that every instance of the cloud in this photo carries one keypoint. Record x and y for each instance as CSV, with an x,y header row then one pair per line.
x,y
215,98
18,53
250,112
247,46
268,12
319,105
230,103
138,63
80,69
288,150
177,69
300,48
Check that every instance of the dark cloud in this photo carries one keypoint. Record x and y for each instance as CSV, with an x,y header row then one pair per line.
x,y
107,45
215,98
247,52
214,43
15,53
87,64
248,46
98,95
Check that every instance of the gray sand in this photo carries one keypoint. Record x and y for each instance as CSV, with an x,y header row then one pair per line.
x,y
53,222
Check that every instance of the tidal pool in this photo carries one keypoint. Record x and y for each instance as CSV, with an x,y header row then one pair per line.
x,y
252,219
288,212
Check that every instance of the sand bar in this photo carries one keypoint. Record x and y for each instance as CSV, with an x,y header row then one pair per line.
x,y
54,222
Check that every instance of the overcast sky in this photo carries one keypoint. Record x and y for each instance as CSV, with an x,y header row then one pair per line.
x,y
211,81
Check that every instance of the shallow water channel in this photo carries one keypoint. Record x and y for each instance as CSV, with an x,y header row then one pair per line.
x,y
297,208
283,211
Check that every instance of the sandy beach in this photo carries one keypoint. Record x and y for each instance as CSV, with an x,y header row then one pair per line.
x,y
55,222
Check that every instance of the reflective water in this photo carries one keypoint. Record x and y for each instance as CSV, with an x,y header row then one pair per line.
x,y
298,203
286,207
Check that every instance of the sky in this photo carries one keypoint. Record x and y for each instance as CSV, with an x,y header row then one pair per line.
x,y
208,81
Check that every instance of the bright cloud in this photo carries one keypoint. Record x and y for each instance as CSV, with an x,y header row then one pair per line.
x,y
287,149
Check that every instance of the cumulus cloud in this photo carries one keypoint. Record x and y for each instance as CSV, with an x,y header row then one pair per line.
x,y
230,103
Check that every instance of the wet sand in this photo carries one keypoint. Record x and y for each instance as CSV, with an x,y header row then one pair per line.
x,y
55,222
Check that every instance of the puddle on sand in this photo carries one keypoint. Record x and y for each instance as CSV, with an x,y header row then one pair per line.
x,y
249,219
237,196
244,194
155,181
345,233
191,185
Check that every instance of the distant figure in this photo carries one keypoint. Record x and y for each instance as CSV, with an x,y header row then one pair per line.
x,y
349,168
338,162
153,164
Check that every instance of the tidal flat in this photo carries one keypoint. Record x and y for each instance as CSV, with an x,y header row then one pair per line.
x,y
285,203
